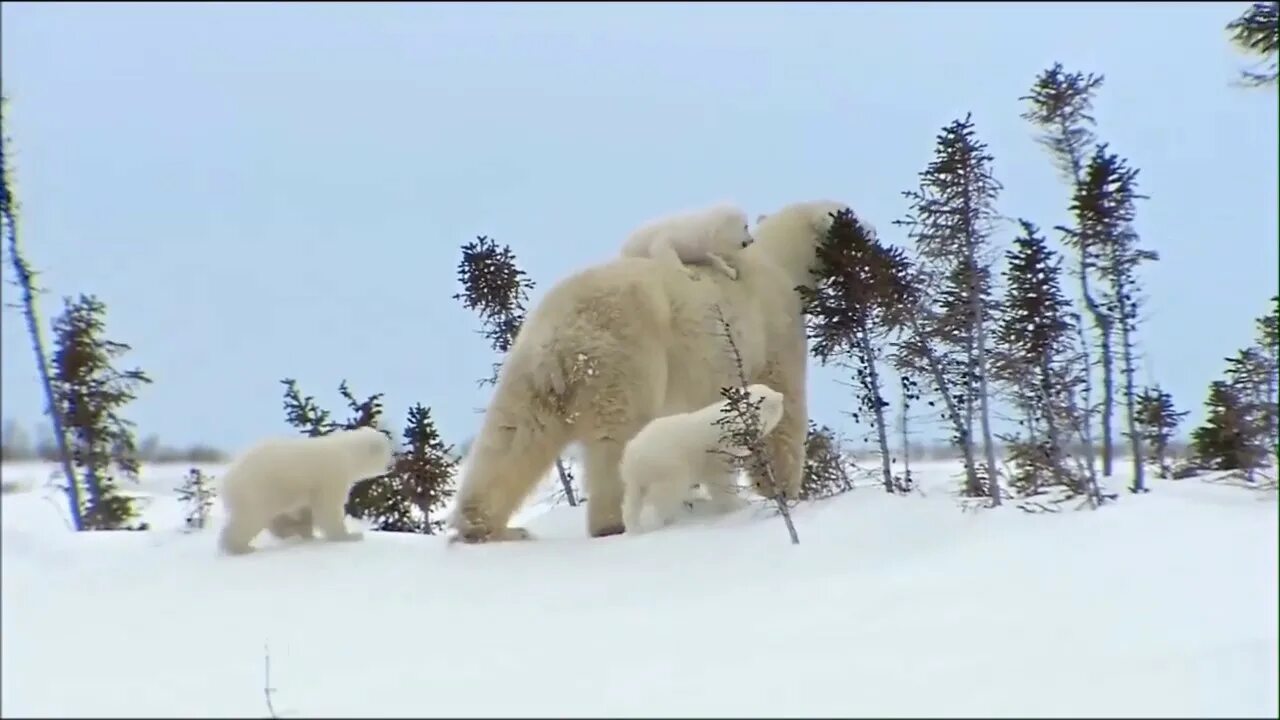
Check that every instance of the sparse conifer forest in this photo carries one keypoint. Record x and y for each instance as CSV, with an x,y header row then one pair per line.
x,y
960,395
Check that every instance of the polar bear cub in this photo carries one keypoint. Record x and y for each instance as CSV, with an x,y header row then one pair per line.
x,y
672,454
709,235
288,483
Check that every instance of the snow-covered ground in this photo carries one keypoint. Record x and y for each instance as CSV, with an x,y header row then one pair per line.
x,y
1161,605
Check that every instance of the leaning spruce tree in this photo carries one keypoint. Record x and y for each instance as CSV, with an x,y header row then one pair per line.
x,y
951,220
858,300
1061,107
25,279
90,393
1104,206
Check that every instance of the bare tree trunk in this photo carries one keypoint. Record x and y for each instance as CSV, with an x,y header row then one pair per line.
x,y
780,501
566,483
882,436
1135,438
906,442
1086,419
1161,449
1100,320
1102,323
957,422
1051,422
1108,396
26,281
988,445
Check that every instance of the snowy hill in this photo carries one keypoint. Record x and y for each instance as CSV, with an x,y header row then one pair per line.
x,y
1164,604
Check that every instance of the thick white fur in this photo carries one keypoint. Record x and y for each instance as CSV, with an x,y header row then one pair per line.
x,y
672,454
711,235
616,345
286,484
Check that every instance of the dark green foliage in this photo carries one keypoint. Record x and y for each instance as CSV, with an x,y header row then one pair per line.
x,y
1252,380
825,465
1104,206
864,287
1034,336
1257,32
423,472
1265,357
1158,420
496,289
302,412
951,219
863,293
1061,107
90,393
1222,443
196,494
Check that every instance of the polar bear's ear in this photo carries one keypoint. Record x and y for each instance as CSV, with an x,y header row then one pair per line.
x,y
760,218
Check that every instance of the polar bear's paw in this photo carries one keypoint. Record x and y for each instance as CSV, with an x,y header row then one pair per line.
x,y
475,534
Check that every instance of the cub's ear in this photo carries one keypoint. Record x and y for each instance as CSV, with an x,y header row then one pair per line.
x,y
760,218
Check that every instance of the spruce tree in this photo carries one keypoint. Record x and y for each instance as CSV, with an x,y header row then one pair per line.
x,y
1034,337
1268,370
860,298
90,392
825,471
25,279
1061,107
1251,381
1257,32
1104,206
1222,443
424,470
951,221
1158,420
196,494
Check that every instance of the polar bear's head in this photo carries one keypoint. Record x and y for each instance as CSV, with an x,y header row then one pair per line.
x,y
770,406
790,236
369,450
727,230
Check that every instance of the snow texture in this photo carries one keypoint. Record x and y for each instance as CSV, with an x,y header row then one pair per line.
x,y
1163,604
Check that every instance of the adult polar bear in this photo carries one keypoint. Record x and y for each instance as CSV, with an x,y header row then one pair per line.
x,y
616,345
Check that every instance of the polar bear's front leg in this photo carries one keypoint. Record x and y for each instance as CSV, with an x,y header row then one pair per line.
x,y
722,492
328,509
722,266
293,524
239,531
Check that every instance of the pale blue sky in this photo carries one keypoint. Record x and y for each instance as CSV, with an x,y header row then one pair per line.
x,y
261,191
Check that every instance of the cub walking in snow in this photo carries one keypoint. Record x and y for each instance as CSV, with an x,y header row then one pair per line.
x,y
287,484
709,235
672,454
